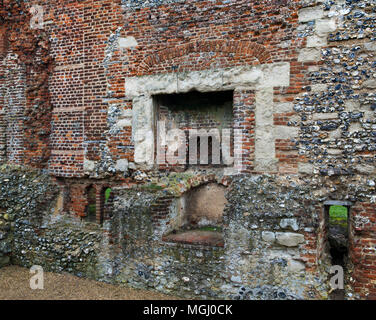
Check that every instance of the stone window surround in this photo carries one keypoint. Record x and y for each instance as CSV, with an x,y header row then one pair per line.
x,y
260,78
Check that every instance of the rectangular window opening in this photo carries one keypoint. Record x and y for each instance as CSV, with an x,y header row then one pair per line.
x,y
203,119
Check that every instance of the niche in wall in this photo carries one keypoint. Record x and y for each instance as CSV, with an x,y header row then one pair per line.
x,y
199,216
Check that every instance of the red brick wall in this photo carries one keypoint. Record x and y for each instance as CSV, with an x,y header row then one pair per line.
x,y
362,249
86,79
88,74
27,101
3,41
79,199
78,85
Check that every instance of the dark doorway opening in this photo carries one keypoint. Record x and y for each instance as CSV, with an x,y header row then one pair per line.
x,y
91,208
337,215
338,234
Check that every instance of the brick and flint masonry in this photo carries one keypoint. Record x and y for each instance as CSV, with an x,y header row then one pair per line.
x,y
283,90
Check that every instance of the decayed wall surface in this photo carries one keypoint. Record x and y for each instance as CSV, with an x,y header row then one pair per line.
x,y
77,103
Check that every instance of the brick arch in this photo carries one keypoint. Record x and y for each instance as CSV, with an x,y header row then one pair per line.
x,y
199,181
225,46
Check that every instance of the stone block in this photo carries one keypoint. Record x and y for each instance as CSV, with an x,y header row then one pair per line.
x,y
309,54
316,41
325,116
365,169
285,132
370,84
320,87
289,223
122,165
352,105
289,239
123,123
370,46
283,107
310,14
325,26
295,266
305,168
268,236
127,42
89,165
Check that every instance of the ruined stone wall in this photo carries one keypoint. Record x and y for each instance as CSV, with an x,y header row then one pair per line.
x,y
3,123
268,253
302,73
338,121
33,231
25,196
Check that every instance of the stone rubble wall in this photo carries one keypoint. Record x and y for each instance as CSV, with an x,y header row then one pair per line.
x,y
272,232
253,264
25,195
33,231
337,112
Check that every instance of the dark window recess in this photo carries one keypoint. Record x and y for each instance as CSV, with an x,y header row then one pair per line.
x,y
91,208
105,196
208,113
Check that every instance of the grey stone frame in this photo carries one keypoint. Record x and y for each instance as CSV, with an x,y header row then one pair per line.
x,y
260,78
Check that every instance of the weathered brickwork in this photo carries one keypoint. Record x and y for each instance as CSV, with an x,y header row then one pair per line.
x,y
80,99
28,64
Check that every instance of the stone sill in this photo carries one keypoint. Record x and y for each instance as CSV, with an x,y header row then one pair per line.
x,y
196,237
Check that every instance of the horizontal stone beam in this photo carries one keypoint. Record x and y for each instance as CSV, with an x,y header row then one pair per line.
x,y
244,77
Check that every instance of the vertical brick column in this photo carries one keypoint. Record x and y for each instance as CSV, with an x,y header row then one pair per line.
x,y
3,41
362,252
3,123
99,203
79,201
244,120
14,104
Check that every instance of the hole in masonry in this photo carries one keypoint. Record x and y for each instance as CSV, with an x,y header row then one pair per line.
x,y
338,234
196,237
91,208
338,238
205,122
107,194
